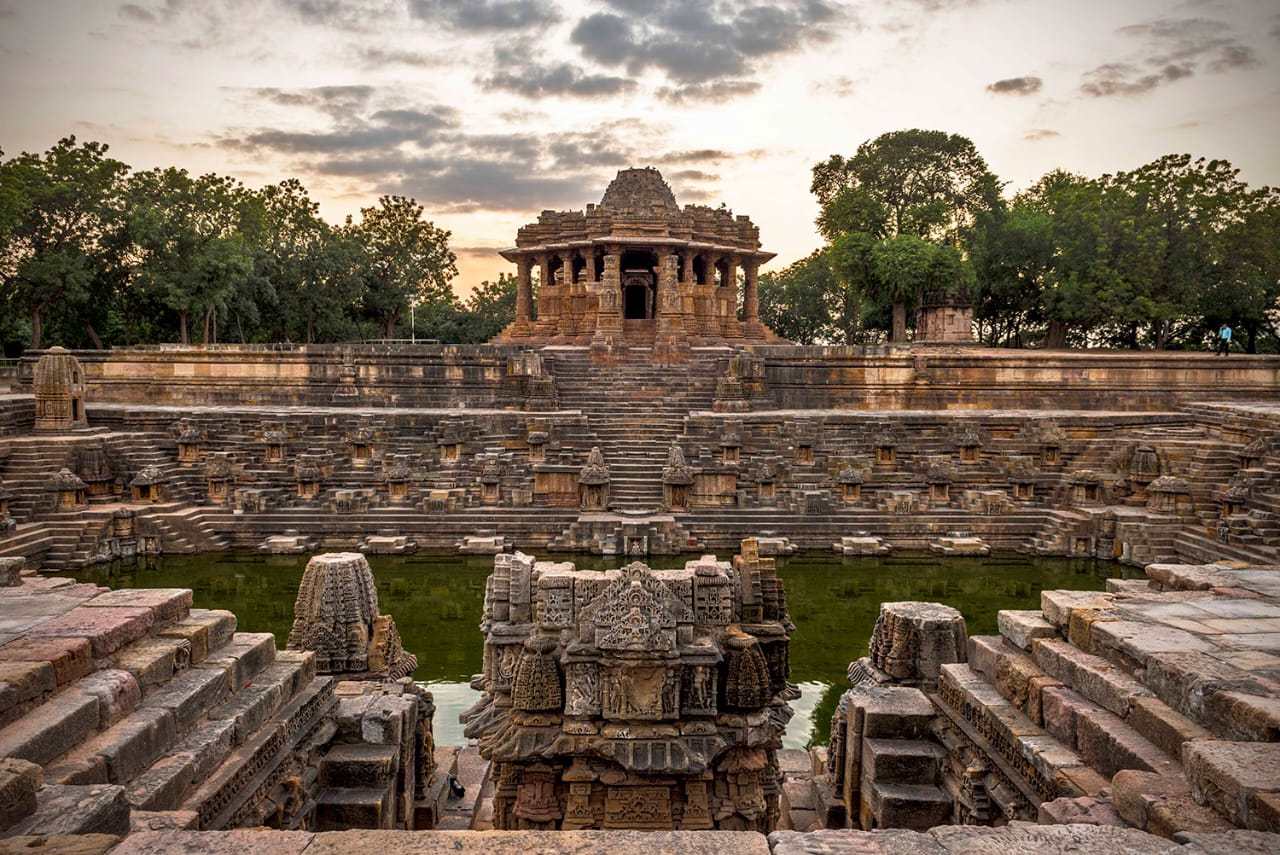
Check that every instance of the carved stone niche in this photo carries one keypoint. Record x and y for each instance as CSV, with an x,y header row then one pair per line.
x,y
93,464
217,477
6,517
450,444
537,440
766,482
1052,440
67,490
58,384
398,476
634,698
1169,495
850,480
1086,487
277,443
886,445
730,447
336,615
677,478
360,446
969,445
190,445
148,485
593,482
939,480
491,481
308,477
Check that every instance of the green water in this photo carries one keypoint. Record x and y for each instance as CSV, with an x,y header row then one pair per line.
x,y
437,603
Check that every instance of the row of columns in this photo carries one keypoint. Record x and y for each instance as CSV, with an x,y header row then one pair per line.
x,y
524,279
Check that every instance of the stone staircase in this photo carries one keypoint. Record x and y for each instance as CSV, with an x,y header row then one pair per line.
x,y
137,705
635,410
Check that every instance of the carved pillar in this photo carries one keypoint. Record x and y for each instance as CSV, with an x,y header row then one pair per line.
x,y
609,316
546,288
751,292
670,318
524,290
569,308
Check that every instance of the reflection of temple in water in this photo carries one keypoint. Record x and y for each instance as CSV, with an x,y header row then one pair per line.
x,y
638,269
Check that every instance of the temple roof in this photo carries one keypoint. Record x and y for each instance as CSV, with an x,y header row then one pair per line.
x,y
639,191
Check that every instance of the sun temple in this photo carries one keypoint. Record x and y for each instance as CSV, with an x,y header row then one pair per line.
x,y
637,411
637,268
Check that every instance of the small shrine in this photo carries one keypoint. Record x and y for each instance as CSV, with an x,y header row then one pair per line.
x,y
635,698
638,269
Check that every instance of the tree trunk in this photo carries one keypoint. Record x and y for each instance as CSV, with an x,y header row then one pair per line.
x,y
36,328
93,336
182,326
1160,332
1055,338
239,328
310,330
899,331
208,315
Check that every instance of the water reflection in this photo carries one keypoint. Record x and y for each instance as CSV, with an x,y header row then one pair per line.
x,y
437,604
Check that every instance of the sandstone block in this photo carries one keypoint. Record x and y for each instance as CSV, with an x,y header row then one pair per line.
x,y
1087,810
190,694
1186,681
1060,706
1080,627
19,781
983,652
1237,842
1056,606
71,658
847,842
1245,718
168,604
65,809
891,712
117,691
1161,804
1092,676
900,761
248,708
133,744
107,628
911,806
1079,781
1136,641
359,765
1164,726
1237,779
243,656
60,844
148,820
1022,838
237,842
204,630
51,729
1022,627
1109,745
161,787
154,660
342,808
21,682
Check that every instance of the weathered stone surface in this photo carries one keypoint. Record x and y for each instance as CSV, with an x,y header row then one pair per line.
x,y
1234,778
1056,606
1245,717
59,844
19,781
1164,726
1136,641
154,660
1022,627
204,630
117,691
911,806
191,694
912,640
900,761
1020,838
1060,707
168,604
1236,842
833,842
359,765
58,725
107,628
98,809
133,744
1109,745
891,712
340,808
71,658
1086,810
238,842
24,681
1161,804
1092,676
1186,682
246,654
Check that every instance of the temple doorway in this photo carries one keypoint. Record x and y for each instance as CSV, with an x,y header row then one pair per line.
x,y
639,284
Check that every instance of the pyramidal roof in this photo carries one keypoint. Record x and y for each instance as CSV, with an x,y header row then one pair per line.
x,y
639,191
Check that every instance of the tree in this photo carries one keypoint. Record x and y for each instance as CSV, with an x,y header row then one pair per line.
x,y
192,253
295,257
404,259
59,215
1013,256
885,211
807,304
491,306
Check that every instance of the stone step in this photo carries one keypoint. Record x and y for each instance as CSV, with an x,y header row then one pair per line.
x,y
76,810
1239,780
61,723
912,806
359,765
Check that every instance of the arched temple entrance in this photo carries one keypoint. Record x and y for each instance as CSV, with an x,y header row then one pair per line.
x,y
639,284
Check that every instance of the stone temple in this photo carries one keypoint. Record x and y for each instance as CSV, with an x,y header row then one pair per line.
x,y
639,269
637,409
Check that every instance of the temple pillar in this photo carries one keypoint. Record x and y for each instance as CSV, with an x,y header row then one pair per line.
x,y
524,291
670,317
546,292
751,292
609,314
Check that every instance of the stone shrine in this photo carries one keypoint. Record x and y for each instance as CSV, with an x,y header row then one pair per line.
x,y
637,269
634,698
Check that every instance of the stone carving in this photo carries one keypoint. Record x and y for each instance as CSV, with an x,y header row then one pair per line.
x,y
911,641
93,464
1144,466
148,485
593,482
634,698
58,383
336,615
677,477
67,490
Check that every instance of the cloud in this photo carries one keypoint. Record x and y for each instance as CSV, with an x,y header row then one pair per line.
x,y
841,86
1037,134
699,155
695,44
531,79
692,175
380,57
486,15
1169,49
716,91
1016,86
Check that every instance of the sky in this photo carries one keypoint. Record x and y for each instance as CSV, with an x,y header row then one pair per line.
x,y
490,111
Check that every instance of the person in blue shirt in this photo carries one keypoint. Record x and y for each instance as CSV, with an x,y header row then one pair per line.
x,y
1224,341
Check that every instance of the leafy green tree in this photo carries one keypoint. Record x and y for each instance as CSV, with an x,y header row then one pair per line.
x,y
404,259
807,304
886,210
59,218
488,310
193,255
1013,256
296,256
